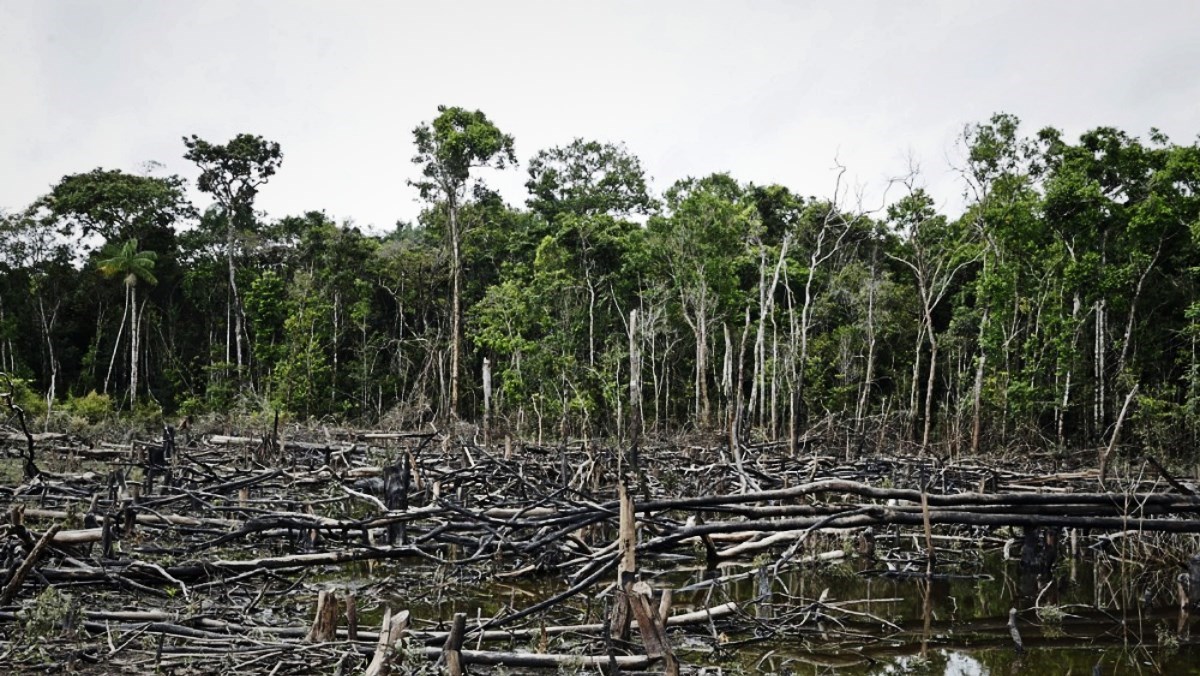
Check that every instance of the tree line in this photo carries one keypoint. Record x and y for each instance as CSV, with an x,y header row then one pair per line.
x,y
1059,307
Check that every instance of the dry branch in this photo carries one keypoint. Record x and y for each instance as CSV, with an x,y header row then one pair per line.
x,y
17,578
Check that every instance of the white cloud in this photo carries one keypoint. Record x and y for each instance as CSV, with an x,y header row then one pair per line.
x,y
771,91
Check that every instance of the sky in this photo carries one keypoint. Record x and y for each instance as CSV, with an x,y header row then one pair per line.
x,y
771,92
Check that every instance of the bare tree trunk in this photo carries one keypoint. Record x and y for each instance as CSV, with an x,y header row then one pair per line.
x,y
656,380
133,346
591,287
235,299
364,376
915,385
735,418
774,380
1106,454
793,371
766,305
805,313
47,328
635,379
229,357
727,370
455,305
933,355
1133,305
1064,406
1062,410
117,343
977,387
704,412
5,345
1099,414
869,377
487,402
757,374
667,379
337,317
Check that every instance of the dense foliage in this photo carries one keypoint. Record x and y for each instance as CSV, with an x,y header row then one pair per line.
x,y
1062,300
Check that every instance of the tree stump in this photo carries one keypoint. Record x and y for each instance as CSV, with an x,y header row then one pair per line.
x,y
325,621
652,626
1194,581
391,633
454,642
351,617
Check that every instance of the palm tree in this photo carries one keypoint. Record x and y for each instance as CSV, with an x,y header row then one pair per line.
x,y
132,265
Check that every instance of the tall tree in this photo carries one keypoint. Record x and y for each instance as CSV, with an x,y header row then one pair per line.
x,y
448,149
113,206
587,178
702,246
232,174
132,266
30,242
118,206
937,250
1003,209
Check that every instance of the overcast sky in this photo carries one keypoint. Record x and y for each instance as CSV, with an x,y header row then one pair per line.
x,y
768,91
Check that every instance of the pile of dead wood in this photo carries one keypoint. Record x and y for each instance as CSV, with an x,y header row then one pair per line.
x,y
240,524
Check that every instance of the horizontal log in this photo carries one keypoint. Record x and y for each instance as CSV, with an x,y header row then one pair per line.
x,y
78,537
912,496
38,437
224,440
546,660
880,515
172,519
207,569
213,625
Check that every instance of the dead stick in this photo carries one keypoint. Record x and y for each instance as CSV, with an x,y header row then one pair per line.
x,y
31,470
928,534
1112,443
18,577
1162,471
1014,632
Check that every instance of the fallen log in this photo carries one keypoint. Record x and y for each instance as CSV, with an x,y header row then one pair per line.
x,y
17,578
880,515
209,569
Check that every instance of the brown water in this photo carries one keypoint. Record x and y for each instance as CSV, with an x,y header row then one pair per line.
x,y
1084,618
1091,615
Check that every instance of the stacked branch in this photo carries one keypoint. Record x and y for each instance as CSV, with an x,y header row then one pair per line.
x,y
250,520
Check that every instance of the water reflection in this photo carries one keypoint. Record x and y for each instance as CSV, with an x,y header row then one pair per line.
x,y
1080,615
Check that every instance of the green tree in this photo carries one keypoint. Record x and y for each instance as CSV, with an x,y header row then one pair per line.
x,y
1004,209
232,173
40,276
413,276
448,149
702,248
118,206
935,251
302,380
341,258
587,178
131,266
554,324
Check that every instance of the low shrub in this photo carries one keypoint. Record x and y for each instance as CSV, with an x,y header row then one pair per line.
x,y
92,406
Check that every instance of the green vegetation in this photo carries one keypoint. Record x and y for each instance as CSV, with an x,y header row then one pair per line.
x,y
1066,288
